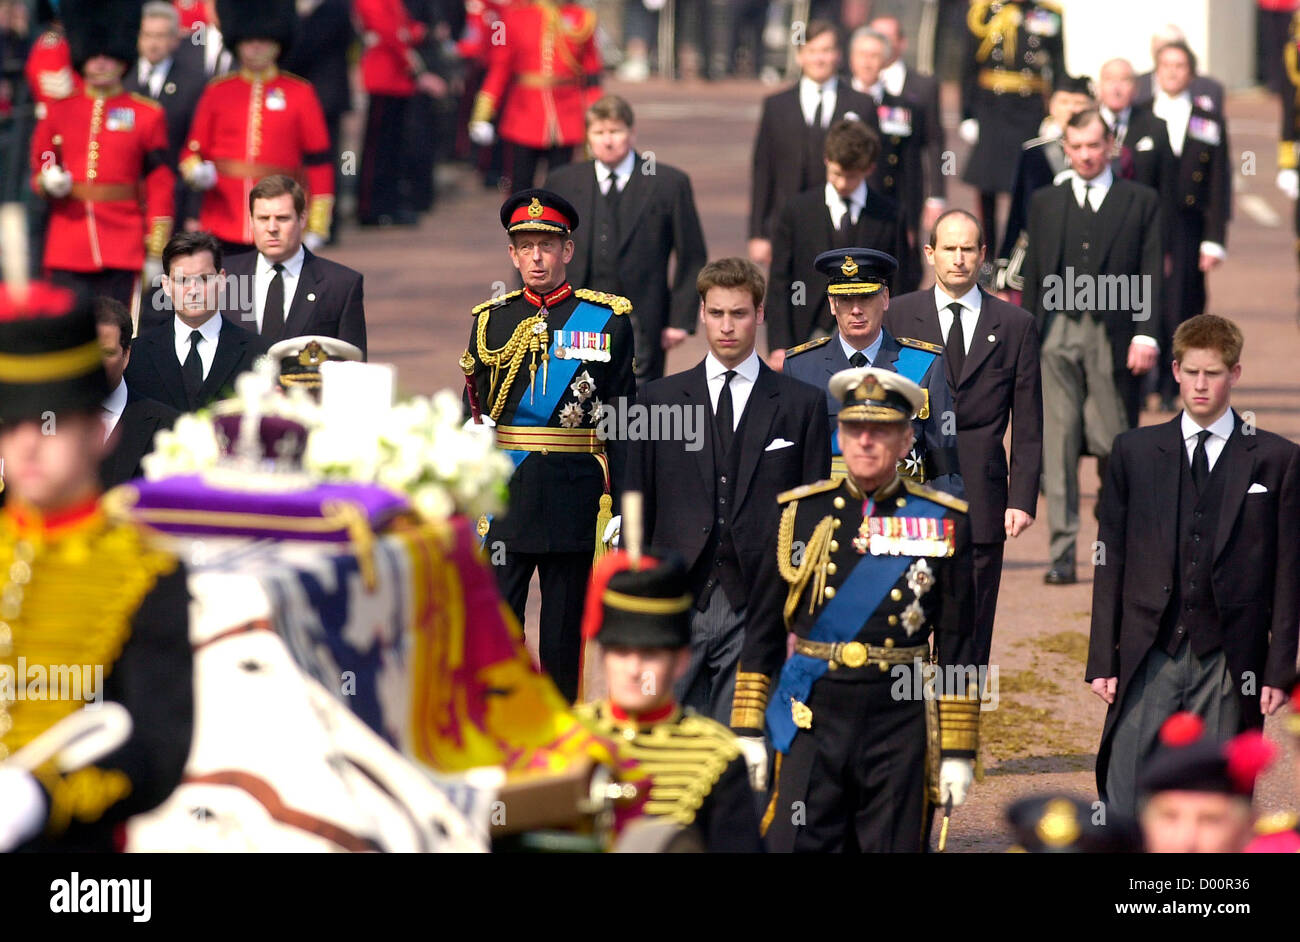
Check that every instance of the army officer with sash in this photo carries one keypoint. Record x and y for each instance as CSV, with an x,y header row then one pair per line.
x,y
541,364
870,568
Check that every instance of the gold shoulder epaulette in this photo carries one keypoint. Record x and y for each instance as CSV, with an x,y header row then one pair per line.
x,y
808,345
499,300
939,497
807,490
145,100
920,345
621,305
1277,823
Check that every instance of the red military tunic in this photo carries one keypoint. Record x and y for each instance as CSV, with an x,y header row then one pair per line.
x,y
109,145
389,64
252,127
550,64
481,19
49,64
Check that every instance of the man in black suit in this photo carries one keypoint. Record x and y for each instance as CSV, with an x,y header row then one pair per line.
x,y
712,497
1197,604
1195,192
914,86
899,172
991,364
174,83
1092,282
130,420
196,357
843,211
283,289
641,214
792,132
1141,139
1147,84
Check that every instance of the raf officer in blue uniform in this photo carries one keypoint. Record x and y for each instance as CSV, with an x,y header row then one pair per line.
x,y
858,290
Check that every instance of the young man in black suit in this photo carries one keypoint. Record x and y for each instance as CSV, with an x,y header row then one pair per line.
x,y
1092,281
284,289
991,364
173,82
711,497
641,214
792,131
130,420
194,358
1196,603
844,211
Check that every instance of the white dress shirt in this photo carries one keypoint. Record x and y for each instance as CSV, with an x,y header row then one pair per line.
x,y
1219,431
876,91
211,331
621,172
808,91
264,271
1176,112
1118,121
970,303
1096,188
742,384
871,351
153,77
113,408
894,77
837,205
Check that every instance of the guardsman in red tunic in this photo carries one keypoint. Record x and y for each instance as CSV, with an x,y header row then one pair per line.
x,y
97,157
257,122
49,70
549,61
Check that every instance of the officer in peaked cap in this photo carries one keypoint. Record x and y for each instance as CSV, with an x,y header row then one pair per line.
x,y
858,289
640,616
1062,824
299,358
542,364
867,568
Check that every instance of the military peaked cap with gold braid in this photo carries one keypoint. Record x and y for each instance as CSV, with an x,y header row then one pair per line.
x,y
856,271
538,211
50,359
870,394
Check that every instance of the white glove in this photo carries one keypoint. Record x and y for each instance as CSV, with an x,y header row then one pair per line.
x,y
153,273
56,84
314,241
653,5
22,807
612,531
969,130
203,176
485,428
1288,181
56,182
754,749
482,133
955,778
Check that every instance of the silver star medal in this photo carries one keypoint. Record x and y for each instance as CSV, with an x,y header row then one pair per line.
x,y
583,386
920,578
571,415
912,464
913,618
596,407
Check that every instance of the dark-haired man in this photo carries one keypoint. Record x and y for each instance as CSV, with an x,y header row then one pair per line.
x,y
195,357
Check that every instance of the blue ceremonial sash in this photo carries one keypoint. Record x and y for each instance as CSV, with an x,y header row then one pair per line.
x,y
585,317
841,620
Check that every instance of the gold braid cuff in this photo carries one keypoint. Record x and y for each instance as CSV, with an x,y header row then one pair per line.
x,y
1286,155
750,700
485,107
816,558
959,723
319,215
159,232
83,795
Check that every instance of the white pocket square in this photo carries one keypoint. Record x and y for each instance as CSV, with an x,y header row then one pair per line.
x,y
778,443
1257,489
1145,144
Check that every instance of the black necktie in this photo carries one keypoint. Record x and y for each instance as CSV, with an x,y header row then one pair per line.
x,y
1200,460
817,112
814,165
725,413
858,359
192,370
1087,198
954,350
273,313
846,222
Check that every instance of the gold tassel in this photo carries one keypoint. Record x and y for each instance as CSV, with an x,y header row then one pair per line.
x,y
603,517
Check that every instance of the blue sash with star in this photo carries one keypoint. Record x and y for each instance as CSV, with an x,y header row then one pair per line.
x,y
536,410
840,620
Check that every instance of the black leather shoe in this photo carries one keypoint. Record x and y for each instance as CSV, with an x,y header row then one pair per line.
x,y
1060,576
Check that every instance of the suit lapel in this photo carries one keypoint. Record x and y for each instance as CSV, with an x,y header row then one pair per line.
x,y
1170,444
168,367
230,347
759,413
304,299
632,201
1238,459
696,389
1051,255
1113,209
987,326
